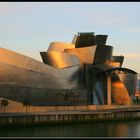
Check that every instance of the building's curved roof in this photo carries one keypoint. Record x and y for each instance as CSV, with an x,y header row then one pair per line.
x,y
107,68
59,59
85,54
60,46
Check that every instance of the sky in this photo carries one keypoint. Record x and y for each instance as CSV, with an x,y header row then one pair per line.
x,y
30,27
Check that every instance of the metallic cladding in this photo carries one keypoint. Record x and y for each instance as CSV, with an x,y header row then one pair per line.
x,y
43,97
101,39
25,62
15,75
103,54
118,59
129,81
74,73
119,92
59,46
22,62
85,54
59,59
84,40
106,67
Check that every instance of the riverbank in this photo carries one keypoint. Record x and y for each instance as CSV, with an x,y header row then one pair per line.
x,y
70,116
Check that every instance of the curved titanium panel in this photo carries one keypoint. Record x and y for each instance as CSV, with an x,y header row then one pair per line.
x,y
118,59
60,46
74,39
42,96
44,57
100,39
119,93
59,60
114,64
26,63
73,75
14,75
19,84
70,73
103,54
86,54
22,61
84,40
129,81
105,68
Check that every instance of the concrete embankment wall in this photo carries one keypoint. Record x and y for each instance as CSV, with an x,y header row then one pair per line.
x,y
7,119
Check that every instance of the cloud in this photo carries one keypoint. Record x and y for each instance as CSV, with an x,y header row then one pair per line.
x,y
115,20
107,20
132,55
135,30
10,8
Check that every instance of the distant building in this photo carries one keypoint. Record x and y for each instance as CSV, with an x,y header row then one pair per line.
x,y
83,72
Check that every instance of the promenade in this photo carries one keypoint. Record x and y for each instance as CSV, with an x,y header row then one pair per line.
x,y
68,116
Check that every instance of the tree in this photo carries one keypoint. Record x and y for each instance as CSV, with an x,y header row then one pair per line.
x,y
26,103
4,103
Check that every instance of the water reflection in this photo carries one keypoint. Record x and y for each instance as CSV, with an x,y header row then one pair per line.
x,y
98,129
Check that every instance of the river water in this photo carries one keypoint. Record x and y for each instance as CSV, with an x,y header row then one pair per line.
x,y
91,130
